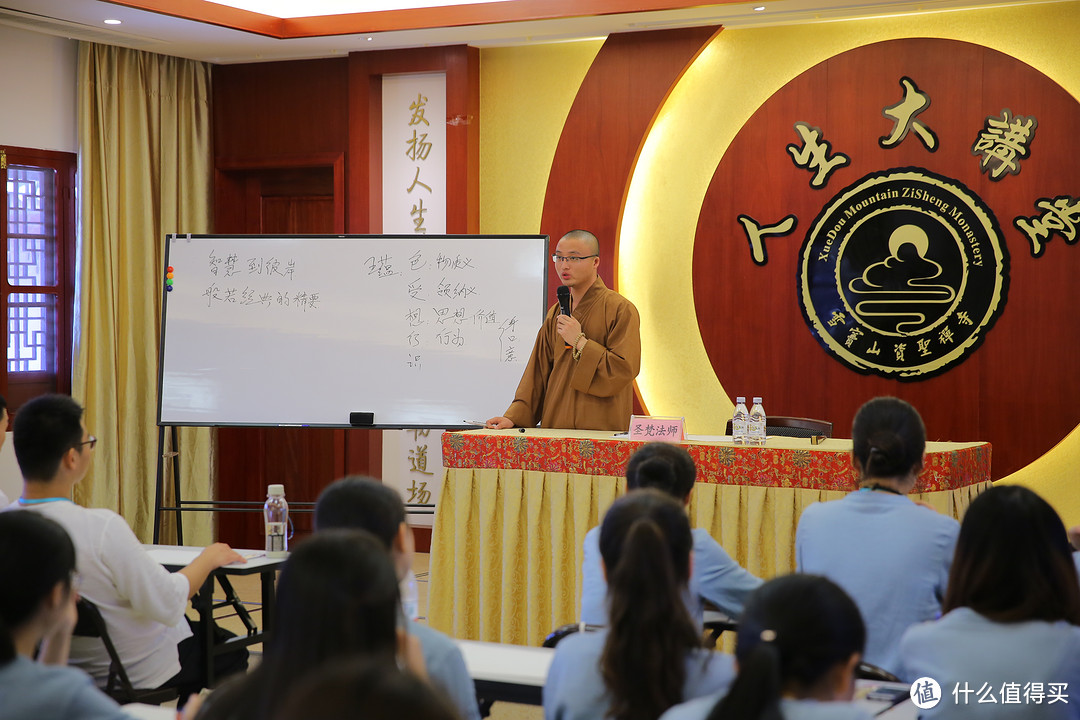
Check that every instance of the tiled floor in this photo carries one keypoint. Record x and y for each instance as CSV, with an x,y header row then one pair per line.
x,y
247,588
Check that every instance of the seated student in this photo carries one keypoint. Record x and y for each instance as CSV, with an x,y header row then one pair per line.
x,y
890,554
142,604
367,504
650,656
37,605
714,576
337,598
367,690
800,640
1008,645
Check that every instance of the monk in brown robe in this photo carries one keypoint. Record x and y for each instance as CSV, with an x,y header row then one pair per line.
x,y
582,365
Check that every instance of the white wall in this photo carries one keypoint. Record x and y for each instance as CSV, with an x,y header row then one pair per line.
x,y
10,477
37,90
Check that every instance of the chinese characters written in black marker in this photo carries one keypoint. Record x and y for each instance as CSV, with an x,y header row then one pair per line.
x,y
237,283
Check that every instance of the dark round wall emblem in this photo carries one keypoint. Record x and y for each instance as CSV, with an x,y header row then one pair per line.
x,y
902,274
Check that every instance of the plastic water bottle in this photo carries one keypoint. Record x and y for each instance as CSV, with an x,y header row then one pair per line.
x,y
757,424
740,422
276,513
410,597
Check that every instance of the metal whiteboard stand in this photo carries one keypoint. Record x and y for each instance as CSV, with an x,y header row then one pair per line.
x,y
172,457
159,493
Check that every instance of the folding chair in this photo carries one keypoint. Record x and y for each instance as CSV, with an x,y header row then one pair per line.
x,y
118,686
715,622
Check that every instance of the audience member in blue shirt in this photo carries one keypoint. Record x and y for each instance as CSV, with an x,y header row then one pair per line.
x,y
650,657
800,640
714,576
337,598
889,553
37,607
1008,645
364,503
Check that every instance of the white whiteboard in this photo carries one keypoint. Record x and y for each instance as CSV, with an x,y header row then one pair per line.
x,y
427,331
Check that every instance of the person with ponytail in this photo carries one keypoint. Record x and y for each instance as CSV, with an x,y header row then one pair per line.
x,y
1012,616
800,640
650,656
37,607
890,554
714,576
337,598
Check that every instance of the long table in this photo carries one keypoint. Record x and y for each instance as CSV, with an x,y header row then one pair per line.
x,y
506,547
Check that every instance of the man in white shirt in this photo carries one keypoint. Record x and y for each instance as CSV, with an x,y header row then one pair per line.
x,y
142,603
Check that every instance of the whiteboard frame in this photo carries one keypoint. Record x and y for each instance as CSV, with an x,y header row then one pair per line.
x,y
544,304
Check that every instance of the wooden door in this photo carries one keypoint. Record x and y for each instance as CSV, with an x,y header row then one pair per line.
x,y
292,201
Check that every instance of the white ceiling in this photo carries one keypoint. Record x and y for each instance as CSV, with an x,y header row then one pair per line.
x,y
83,20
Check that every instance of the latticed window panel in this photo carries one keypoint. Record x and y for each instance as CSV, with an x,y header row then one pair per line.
x,y
31,250
31,332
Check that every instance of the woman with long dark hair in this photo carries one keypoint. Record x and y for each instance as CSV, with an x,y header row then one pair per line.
x,y
650,656
37,607
714,575
888,553
800,639
337,598
1009,642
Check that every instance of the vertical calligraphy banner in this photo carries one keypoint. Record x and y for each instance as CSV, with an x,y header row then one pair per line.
x,y
414,202
414,153
412,463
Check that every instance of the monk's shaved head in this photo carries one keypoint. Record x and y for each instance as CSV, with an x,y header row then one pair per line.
x,y
591,243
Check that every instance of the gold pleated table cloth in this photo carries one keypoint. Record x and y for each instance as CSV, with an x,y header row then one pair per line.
x,y
506,547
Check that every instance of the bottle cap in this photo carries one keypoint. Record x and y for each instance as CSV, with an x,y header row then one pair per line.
x,y
740,400
757,401
273,490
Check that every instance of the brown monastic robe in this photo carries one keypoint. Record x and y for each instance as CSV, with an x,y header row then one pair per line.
x,y
594,392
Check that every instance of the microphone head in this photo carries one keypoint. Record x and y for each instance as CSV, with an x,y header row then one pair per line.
x,y
564,298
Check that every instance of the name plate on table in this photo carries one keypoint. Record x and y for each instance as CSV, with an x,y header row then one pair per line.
x,y
648,428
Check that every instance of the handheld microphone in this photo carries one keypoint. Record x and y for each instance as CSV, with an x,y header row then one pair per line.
x,y
564,302
564,298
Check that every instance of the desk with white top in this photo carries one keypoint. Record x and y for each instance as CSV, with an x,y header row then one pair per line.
x,y
513,673
175,557
142,711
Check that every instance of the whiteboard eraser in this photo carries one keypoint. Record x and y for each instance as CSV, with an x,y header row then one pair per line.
x,y
361,418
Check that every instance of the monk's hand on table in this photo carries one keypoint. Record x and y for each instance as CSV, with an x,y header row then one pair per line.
x,y
568,328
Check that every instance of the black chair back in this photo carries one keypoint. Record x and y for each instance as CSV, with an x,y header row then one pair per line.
x,y
91,624
785,426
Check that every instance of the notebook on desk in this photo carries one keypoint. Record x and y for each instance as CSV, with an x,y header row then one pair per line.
x,y
173,555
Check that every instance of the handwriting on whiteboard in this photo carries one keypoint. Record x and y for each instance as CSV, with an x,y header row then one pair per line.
x,y
446,310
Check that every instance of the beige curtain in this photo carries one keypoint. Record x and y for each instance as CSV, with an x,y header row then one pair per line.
x,y
145,164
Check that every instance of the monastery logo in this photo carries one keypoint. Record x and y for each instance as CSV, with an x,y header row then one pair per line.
x,y
902,274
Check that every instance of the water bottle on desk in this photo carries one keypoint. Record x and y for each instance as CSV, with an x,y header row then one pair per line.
x,y
739,422
276,513
757,424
